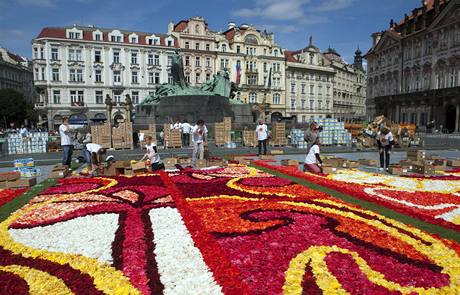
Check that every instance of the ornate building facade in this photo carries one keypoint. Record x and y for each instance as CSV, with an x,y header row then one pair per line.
x,y
16,74
414,67
197,43
76,67
255,62
309,82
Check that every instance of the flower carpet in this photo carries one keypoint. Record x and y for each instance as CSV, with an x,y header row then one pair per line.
x,y
8,194
234,230
432,199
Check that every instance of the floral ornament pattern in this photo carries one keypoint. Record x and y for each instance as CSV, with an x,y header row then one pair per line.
x,y
431,199
234,230
7,194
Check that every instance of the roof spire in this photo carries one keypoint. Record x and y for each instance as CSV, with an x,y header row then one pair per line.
x,y
310,41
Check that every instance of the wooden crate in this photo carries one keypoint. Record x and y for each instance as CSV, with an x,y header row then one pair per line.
x,y
249,138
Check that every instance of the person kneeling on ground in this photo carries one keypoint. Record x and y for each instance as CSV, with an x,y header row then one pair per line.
x,y
313,160
96,152
152,155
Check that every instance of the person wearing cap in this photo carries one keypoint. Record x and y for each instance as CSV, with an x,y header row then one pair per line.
x,y
96,153
262,137
385,142
311,135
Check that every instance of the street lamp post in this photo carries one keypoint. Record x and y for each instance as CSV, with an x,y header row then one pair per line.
x,y
109,104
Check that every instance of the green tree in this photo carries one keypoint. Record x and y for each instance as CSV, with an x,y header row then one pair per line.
x,y
13,107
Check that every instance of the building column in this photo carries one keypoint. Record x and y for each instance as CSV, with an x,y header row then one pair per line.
x,y
457,118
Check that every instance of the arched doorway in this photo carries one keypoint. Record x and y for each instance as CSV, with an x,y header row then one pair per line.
x,y
276,116
451,113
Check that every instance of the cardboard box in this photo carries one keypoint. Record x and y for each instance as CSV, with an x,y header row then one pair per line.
x,y
276,152
201,163
26,182
372,163
416,155
219,163
59,171
453,163
334,162
122,164
243,160
8,176
329,169
289,162
351,164
397,170
423,169
138,166
267,157
170,162
110,170
184,161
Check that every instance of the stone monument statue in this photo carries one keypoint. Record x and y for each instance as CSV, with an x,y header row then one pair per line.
x,y
219,85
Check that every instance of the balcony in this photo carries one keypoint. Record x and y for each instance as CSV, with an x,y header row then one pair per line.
x,y
78,104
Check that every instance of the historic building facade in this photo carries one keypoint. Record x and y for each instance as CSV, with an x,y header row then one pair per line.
x,y
256,63
76,67
197,43
414,67
309,83
16,73
349,94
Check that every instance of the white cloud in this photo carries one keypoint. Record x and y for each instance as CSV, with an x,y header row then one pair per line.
x,y
275,10
333,5
279,28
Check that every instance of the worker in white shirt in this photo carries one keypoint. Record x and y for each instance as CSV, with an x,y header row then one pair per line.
x,y
152,154
66,133
385,142
177,125
262,136
200,139
313,160
186,129
96,152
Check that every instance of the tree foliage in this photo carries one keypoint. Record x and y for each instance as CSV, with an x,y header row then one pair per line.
x,y
13,107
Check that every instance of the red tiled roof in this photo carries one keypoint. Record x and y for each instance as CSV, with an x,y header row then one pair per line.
x,y
290,55
429,4
180,26
16,57
60,33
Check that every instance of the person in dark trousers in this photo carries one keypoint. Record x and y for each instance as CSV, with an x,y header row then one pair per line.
x,y
262,136
152,155
96,152
385,142
66,132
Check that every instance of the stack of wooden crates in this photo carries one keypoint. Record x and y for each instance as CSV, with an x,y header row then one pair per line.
x,y
222,132
249,138
173,138
122,136
278,136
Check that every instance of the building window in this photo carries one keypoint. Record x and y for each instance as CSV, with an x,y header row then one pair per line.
x,y
135,97
275,52
197,61
37,74
303,88
312,104
223,64
76,98
265,67
74,54
187,45
187,60
115,38
35,53
224,48
198,78
133,40
208,76
238,49
208,47
293,104
170,78
134,79
74,35
117,96
134,58
252,79
97,56
312,89
56,96
170,43
157,78
99,97
320,105
116,76
72,75
197,46
150,59
208,62
276,98
116,57
187,77
98,37
157,60
327,104
98,76
252,97
302,104
151,78
54,54
292,87
55,75
169,60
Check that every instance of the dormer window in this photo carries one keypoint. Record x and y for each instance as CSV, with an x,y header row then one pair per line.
x,y
97,35
116,36
74,34
152,40
133,39
275,52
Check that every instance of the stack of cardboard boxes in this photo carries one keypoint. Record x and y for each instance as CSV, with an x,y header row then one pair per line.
x,y
100,134
419,162
126,168
332,164
173,137
24,175
278,136
222,132
59,171
122,136
33,142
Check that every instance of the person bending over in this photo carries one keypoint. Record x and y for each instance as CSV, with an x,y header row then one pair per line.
x,y
313,160
152,155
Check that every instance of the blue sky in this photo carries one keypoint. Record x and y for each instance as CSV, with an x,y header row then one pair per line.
x,y
342,24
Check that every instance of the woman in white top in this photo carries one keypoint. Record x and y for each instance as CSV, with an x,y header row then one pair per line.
x,y
200,140
313,160
152,155
262,136
385,141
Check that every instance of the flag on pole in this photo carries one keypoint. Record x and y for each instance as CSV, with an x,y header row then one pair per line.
x,y
238,73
